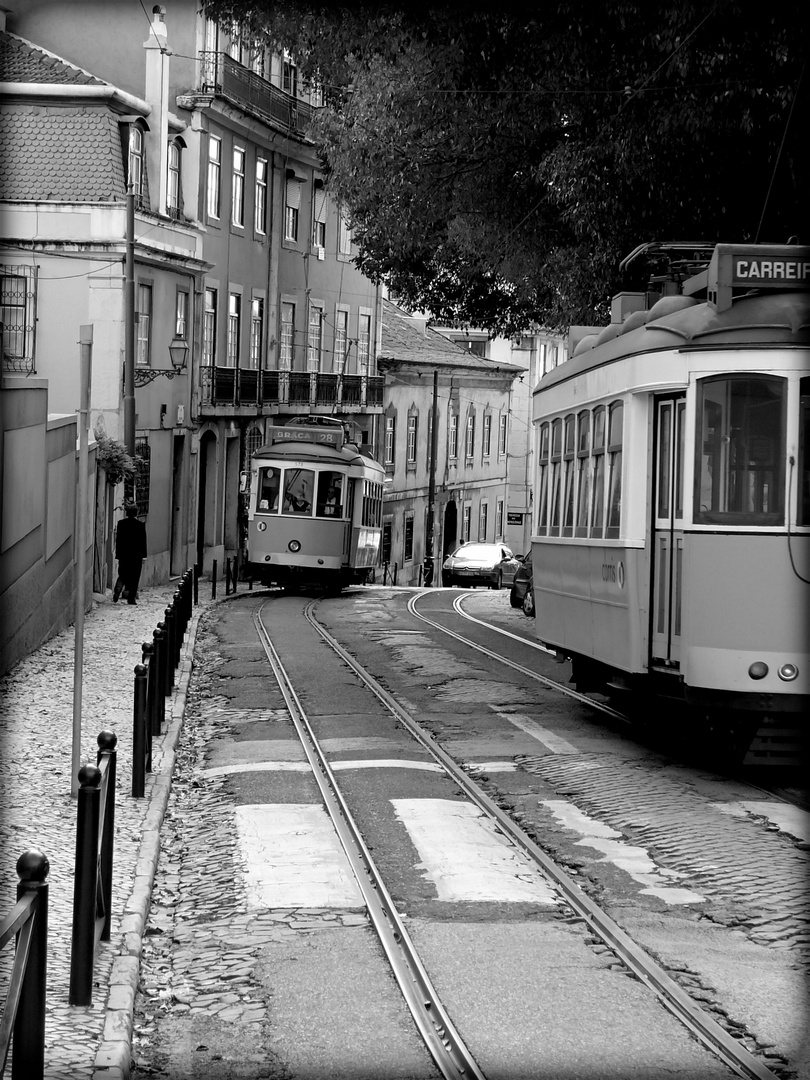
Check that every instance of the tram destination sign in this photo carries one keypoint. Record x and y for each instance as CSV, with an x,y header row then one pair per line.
x,y
751,266
321,436
762,272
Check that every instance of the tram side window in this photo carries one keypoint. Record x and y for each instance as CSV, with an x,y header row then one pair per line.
x,y
556,469
569,476
598,472
269,488
614,478
542,480
298,487
740,451
330,500
583,471
803,517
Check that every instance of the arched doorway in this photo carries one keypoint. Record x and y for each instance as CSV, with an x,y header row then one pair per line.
x,y
450,530
206,501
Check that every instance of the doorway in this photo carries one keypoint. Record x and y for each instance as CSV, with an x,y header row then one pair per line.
x,y
667,560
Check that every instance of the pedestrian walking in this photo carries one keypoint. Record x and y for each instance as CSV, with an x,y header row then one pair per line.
x,y
130,550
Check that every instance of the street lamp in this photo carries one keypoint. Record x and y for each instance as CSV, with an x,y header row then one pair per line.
x,y
178,351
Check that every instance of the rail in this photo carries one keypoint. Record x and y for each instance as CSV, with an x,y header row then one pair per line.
x,y
23,1025
154,677
92,887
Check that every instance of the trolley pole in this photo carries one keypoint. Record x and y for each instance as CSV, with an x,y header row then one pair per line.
x,y
86,364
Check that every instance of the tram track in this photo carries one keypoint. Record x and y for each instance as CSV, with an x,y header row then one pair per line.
x,y
696,1019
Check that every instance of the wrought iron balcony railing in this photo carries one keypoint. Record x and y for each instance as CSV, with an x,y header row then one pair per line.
x,y
225,77
249,388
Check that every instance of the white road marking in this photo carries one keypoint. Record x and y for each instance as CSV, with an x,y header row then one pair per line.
x,y
633,860
788,819
492,766
465,856
555,743
293,858
303,766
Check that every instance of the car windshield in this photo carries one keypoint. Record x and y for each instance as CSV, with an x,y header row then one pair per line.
x,y
478,551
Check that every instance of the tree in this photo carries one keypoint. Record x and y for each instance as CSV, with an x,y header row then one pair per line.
x,y
498,162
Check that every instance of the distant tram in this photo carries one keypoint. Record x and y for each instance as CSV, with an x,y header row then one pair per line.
x,y
315,508
670,548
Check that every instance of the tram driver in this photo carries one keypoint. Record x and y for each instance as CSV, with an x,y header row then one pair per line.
x,y
270,487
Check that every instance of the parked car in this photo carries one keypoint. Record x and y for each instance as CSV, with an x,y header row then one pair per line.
x,y
521,595
480,564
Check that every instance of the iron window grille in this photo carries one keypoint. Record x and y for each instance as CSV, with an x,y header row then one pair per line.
x,y
18,285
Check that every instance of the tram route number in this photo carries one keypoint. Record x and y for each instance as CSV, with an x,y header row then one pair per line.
x,y
613,573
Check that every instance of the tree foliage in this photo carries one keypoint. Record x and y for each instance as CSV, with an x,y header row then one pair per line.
x,y
498,162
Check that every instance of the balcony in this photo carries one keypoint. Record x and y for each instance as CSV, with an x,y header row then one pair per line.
x,y
224,390
226,78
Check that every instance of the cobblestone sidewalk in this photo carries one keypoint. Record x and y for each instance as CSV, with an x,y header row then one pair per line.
x,y
37,810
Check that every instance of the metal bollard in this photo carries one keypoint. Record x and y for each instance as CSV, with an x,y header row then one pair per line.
x,y
168,624
83,941
107,742
159,714
227,577
28,1059
196,573
139,729
179,628
214,580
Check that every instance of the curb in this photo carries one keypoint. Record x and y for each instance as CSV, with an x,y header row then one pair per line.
x,y
113,1059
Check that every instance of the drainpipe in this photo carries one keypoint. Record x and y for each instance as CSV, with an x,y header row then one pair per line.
x,y
129,325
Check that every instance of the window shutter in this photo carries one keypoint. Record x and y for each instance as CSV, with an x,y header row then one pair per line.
x,y
320,204
293,193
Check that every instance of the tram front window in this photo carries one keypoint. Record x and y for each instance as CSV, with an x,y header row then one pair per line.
x,y
298,487
330,499
740,452
269,488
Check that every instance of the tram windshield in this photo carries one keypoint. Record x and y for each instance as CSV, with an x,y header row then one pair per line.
x,y
740,453
269,488
298,487
330,498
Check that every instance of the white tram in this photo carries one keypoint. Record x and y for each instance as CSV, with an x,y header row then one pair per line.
x,y
670,548
315,508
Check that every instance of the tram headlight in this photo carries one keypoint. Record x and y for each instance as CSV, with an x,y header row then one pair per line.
x,y
294,545
758,670
261,526
788,672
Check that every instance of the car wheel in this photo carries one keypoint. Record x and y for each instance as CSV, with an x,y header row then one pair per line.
x,y
498,583
514,601
528,603
447,580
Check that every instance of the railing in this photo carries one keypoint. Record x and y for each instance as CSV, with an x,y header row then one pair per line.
x,y
24,1012
251,388
154,678
222,75
92,886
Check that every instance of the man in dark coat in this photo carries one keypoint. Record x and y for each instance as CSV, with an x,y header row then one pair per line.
x,y
130,550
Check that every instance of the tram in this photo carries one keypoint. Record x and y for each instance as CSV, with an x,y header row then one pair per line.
x,y
671,544
315,507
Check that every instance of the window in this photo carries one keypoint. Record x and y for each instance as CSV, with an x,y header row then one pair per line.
x,y
260,197
214,175
499,519
803,479
319,216
469,440
452,436
390,434
181,315
256,331
210,327
330,494
315,338
289,76
363,343
555,477
543,470
487,447
234,328
287,341
740,452
583,472
341,341
502,435
569,475
413,422
483,514
407,544
144,325
344,235
292,208
466,520
173,199
238,188
598,472
136,489
17,312
385,547
614,470
299,485
135,163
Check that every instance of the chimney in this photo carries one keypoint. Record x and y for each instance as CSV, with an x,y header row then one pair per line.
x,y
157,94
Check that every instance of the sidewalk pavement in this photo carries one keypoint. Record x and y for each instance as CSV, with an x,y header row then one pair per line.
x,y
37,810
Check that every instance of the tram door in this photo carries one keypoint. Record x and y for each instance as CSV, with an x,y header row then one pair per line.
x,y
667,521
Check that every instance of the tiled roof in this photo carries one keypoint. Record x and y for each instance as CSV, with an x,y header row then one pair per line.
x,y
63,155
23,62
405,340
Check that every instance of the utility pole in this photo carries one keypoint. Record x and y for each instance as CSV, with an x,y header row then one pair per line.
x,y
129,326
430,544
86,366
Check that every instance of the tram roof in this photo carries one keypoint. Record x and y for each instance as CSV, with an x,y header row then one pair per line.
x,y
682,322
318,454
